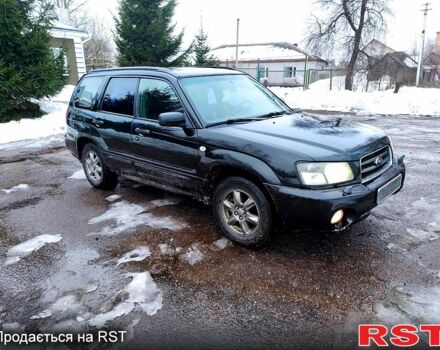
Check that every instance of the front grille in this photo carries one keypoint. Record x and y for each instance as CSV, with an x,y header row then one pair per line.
x,y
376,163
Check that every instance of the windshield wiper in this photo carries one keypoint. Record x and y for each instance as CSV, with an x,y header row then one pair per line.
x,y
274,114
251,119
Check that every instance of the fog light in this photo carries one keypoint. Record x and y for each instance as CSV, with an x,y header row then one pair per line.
x,y
337,217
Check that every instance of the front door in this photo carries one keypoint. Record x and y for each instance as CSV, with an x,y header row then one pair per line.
x,y
167,156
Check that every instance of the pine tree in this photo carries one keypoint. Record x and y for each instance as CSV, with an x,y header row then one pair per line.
x,y
145,34
28,67
202,58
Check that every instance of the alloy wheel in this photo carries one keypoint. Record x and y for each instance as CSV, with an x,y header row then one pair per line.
x,y
240,212
93,166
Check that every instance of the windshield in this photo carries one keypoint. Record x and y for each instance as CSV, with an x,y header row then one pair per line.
x,y
222,98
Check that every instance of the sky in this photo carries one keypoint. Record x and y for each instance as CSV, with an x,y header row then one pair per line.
x,y
279,20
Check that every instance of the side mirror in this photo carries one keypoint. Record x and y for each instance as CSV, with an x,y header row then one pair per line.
x,y
172,119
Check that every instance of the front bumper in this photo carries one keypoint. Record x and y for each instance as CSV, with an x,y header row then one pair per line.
x,y
298,207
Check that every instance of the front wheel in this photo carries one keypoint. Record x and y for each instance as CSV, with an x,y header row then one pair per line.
x,y
242,211
98,174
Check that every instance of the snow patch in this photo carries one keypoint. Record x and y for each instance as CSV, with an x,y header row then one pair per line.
x,y
221,244
63,307
165,249
24,249
166,202
409,100
128,216
142,291
422,236
113,198
16,188
78,175
138,254
192,256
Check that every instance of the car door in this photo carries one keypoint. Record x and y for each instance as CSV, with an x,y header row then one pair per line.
x,y
168,156
113,122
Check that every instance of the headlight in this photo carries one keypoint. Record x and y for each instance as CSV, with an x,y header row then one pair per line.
x,y
316,174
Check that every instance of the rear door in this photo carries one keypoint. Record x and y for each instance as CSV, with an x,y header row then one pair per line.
x,y
113,122
165,155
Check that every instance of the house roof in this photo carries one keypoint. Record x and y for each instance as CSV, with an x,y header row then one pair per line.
x,y
271,51
432,59
62,30
377,49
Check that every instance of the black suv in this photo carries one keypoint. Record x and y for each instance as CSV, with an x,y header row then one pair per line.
x,y
223,138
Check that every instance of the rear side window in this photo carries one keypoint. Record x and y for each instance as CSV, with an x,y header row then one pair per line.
x,y
156,97
119,96
86,93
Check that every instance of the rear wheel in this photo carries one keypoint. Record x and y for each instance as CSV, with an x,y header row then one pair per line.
x,y
242,211
98,174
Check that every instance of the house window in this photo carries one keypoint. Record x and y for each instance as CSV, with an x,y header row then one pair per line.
x,y
264,72
289,72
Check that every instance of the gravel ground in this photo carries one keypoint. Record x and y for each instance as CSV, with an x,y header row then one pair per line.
x,y
193,289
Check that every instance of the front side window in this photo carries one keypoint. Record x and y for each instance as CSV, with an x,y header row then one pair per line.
x,y
119,96
156,97
86,93
222,98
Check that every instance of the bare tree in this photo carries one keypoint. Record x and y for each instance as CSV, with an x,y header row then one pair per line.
x,y
347,25
99,51
76,10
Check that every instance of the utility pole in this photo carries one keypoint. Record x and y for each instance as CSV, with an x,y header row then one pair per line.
x,y
422,47
236,48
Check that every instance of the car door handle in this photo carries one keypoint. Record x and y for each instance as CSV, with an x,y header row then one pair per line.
x,y
97,121
141,131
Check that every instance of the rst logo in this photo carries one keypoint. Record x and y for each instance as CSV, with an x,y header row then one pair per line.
x,y
402,335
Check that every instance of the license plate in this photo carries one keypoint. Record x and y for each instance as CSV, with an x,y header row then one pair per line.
x,y
389,189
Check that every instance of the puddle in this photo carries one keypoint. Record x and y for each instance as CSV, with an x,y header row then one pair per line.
x,y
418,305
22,250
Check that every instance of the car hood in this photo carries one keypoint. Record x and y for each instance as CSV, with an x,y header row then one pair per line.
x,y
307,136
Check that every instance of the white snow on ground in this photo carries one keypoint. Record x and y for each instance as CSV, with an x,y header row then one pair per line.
x,y
221,244
67,305
165,249
22,250
166,201
78,175
128,216
409,100
192,256
53,123
113,198
16,188
138,254
141,292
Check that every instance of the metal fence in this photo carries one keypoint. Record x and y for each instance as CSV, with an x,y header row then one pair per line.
x,y
326,79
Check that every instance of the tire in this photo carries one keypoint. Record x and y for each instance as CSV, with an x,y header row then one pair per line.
x,y
97,172
245,218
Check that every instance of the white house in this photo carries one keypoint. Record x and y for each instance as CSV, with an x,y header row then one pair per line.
x,y
275,64
72,39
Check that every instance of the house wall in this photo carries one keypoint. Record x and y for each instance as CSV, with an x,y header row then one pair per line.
x,y
276,71
75,57
437,44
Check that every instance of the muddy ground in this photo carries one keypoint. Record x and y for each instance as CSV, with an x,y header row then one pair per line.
x,y
302,290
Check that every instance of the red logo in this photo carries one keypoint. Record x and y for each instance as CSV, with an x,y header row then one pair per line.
x,y
401,335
